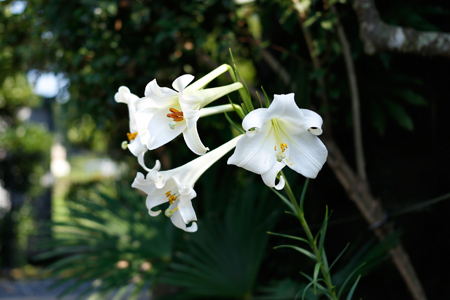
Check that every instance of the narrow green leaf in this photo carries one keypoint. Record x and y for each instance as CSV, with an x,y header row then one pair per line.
x,y
289,237
339,256
348,279
232,123
306,289
316,274
284,199
400,115
299,249
323,230
266,97
350,294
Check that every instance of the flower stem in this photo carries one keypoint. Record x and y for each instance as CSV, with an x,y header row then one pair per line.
x,y
299,213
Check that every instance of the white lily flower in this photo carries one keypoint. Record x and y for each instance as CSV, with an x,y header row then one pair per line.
x,y
164,113
176,186
281,135
134,144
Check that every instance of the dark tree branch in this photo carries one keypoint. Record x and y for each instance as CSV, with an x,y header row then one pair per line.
x,y
378,36
353,84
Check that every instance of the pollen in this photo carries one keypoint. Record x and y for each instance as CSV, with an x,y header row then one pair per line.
x,y
132,136
283,146
171,197
176,115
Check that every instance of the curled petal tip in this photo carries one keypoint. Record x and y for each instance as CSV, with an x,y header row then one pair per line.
x,y
315,130
154,213
252,131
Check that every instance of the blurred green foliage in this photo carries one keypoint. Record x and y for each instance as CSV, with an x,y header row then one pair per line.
x,y
107,242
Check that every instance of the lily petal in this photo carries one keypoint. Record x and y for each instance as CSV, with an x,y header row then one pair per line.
x,y
178,221
307,155
270,176
182,82
312,121
255,153
193,141
253,122
155,91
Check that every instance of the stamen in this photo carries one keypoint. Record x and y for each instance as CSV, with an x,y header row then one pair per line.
x,y
176,115
172,197
132,136
169,212
283,146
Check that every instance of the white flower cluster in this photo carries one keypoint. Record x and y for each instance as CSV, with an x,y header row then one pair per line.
x,y
280,135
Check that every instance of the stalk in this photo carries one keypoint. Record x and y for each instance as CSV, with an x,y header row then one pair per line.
x,y
299,213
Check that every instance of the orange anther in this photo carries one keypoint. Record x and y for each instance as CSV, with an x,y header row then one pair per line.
x,y
132,136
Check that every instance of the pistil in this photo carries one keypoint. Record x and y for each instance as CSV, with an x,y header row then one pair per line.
x,y
172,198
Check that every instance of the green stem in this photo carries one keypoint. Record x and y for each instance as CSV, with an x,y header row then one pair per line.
x,y
298,210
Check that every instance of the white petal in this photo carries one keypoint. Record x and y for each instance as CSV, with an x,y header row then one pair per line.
x,y
121,95
254,121
157,178
177,220
270,176
187,193
256,153
287,113
154,196
307,154
312,121
201,98
141,183
153,201
136,147
191,117
202,82
182,82
154,90
160,132
193,141
157,165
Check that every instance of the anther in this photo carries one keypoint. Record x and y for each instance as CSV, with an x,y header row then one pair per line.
x,y
132,136
176,115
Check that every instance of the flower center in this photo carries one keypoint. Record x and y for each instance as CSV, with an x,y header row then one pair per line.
x,y
132,136
172,198
280,154
283,146
176,115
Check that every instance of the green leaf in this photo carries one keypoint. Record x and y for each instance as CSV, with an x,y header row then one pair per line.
x,y
410,97
323,230
339,256
290,237
350,294
400,115
316,274
348,279
299,249
284,199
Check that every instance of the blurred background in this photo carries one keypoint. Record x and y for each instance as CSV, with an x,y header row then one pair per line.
x,y
67,209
